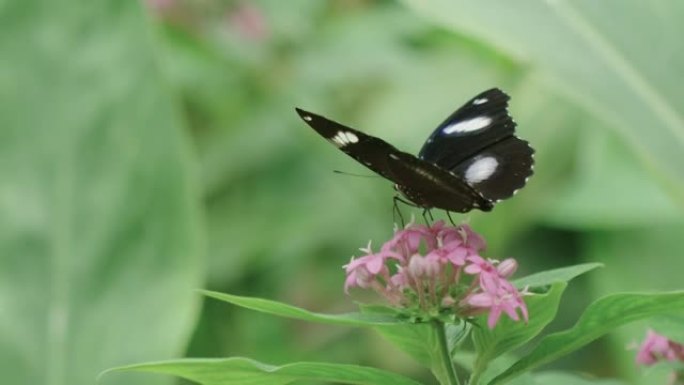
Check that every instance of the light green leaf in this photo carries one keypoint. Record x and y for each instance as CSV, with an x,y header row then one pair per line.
x,y
100,229
236,371
607,167
603,66
601,317
563,274
560,378
509,334
284,310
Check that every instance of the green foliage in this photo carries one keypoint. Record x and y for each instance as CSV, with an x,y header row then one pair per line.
x,y
562,274
237,371
593,62
104,112
603,316
101,232
508,334
289,311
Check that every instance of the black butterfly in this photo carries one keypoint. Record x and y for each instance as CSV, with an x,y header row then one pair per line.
x,y
472,160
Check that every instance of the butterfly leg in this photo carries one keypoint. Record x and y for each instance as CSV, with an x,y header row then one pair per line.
x,y
428,214
450,218
396,212
395,209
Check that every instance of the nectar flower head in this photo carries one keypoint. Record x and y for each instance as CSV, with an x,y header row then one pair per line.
x,y
656,348
436,270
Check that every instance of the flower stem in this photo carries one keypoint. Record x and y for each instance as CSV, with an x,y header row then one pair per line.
x,y
447,363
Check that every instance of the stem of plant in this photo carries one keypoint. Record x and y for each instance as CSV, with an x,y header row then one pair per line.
x,y
447,362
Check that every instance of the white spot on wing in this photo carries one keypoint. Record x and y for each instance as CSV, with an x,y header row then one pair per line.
x,y
307,118
343,138
480,170
473,124
480,101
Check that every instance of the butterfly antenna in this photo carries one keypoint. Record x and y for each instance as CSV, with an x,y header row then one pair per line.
x,y
352,174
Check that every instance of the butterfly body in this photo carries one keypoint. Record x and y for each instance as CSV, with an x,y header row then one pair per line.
x,y
471,161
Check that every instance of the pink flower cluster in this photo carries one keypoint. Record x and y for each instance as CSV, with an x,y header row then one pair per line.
x,y
657,347
437,268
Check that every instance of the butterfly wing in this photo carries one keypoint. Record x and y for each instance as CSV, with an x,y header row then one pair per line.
x,y
368,150
478,144
428,185
500,170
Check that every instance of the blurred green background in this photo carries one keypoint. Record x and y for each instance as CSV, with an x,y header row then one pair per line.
x,y
152,148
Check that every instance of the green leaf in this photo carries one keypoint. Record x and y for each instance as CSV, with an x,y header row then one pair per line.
x,y
560,378
236,371
601,317
100,226
602,66
418,340
563,274
607,167
289,311
509,334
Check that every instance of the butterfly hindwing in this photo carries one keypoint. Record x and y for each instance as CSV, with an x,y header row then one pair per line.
x,y
500,170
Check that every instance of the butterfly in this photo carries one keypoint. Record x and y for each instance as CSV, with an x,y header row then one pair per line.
x,y
470,161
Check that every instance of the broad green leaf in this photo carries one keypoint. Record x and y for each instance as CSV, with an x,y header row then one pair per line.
x,y
509,334
607,167
284,310
236,371
601,317
99,229
670,326
563,274
603,66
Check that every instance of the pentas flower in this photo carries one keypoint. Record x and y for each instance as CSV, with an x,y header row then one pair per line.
x,y
656,348
430,271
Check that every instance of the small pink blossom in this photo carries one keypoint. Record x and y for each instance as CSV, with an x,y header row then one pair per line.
x,y
407,242
504,298
249,21
507,267
656,348
362,271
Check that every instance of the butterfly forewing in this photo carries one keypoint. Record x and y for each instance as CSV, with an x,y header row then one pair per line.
x,y
370,151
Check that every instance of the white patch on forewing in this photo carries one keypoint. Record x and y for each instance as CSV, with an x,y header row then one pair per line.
x,y
307,118
480,170
480,101
473,124
344,138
